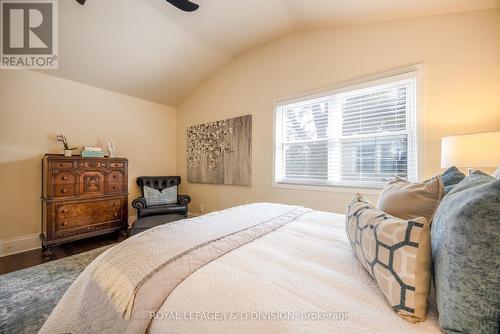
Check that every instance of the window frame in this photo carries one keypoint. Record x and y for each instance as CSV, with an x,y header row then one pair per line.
x,y
414,71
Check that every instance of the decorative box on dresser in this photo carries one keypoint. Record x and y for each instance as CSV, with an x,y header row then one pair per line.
x,y
82,197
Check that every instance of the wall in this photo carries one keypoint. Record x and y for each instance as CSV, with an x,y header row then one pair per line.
x,y
34,107
461,56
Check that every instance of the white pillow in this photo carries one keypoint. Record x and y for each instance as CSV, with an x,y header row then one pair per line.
x,y
497,173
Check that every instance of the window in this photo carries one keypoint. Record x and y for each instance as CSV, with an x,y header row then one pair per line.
x,y
357,136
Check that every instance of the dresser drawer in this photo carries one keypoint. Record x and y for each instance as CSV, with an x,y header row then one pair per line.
x,y
117,164
78,215
114,187
64,178
115,176
93,164
62,164
64,190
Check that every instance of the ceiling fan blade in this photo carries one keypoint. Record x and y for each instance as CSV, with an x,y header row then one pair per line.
x,y
81,2
184,5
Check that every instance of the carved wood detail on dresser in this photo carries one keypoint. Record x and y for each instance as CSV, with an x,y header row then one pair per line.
x,y
82,197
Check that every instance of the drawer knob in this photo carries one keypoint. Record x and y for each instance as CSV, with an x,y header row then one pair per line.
x,y
61,165
115,176
64,178
115,204
64,224
116,215
64,211
115,187
64,190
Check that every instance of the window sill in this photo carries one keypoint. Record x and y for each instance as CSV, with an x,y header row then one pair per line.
x,y
333,189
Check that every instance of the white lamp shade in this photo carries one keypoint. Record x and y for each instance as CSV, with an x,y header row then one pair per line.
x,y
474,150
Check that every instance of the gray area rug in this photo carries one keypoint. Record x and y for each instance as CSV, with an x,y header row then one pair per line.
x,y
28,296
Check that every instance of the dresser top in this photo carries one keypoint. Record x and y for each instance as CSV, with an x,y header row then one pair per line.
x,y
49,156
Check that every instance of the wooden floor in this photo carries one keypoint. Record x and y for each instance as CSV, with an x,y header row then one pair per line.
x,y
27,259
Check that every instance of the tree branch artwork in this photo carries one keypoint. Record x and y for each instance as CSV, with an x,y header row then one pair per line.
x,y
209,140
220,152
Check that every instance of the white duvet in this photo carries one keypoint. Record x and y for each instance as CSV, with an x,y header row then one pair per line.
x,y
300,278
304,269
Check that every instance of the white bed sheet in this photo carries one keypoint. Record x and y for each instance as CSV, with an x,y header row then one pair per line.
x,y
305,268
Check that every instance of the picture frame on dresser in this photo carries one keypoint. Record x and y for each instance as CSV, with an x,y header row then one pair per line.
x,y
82,197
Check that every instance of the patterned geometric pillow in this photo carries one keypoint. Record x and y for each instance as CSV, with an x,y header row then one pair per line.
x,y
156,197
396,253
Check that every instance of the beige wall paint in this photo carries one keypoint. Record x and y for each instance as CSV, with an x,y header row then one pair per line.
x,y
461,56
34,107
461,53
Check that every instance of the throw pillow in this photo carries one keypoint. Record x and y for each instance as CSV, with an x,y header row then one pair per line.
x,y
451,177
407,200
156,197
396,253
466,256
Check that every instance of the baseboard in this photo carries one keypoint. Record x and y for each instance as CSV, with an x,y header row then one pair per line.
x,y
194,214
131,220
29,242
20,244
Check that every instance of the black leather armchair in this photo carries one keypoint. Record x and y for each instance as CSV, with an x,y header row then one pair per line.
x,y
160,183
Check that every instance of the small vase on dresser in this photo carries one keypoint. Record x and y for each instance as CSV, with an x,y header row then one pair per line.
x,y
82,197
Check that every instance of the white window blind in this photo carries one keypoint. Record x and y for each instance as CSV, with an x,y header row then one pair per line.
x,y
359,136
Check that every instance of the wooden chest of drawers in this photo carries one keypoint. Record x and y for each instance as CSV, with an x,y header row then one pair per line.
x,y
82,197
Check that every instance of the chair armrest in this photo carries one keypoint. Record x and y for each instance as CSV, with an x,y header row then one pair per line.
x,y
139,203
183,199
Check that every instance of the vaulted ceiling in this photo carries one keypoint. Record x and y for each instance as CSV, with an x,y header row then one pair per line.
x,y
151,50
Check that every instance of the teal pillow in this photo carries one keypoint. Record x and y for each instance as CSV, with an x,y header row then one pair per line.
x,y
451,177
156,197
465,239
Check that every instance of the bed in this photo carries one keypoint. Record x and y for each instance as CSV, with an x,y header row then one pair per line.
x,y
271,268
